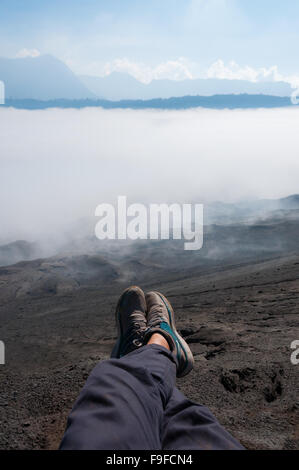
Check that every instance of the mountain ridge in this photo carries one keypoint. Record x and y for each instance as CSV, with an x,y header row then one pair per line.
x,y
45,77
118,86
41,78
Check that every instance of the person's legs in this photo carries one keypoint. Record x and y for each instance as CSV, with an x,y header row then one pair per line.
x,y
190,426
130,401
122,404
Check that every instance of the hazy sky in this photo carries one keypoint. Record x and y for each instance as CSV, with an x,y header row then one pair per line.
x,y
56,166
158,39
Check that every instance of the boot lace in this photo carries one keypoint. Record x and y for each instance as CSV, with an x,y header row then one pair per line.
x,y
135,332
156,316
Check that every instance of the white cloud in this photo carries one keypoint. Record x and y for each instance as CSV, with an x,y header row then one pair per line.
x,y
177,69
206,155
171,69
233,71
183,68
28,53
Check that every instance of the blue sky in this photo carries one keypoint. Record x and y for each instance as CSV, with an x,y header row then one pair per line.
x,y
157,38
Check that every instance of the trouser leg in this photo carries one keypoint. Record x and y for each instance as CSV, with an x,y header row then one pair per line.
x,y
122,403
190,426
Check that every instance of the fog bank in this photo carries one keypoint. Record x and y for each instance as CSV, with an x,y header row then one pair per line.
x,y
57,165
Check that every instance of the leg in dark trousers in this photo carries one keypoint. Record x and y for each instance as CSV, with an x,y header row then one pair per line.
x,y
132,403
122,404
190,426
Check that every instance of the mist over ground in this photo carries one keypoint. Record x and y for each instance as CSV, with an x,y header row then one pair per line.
x,y
57,165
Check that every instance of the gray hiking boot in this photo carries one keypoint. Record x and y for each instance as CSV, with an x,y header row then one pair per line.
x,y
160,319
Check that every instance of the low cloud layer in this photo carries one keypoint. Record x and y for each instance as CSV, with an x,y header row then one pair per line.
x,y
58,165
27,53
182,68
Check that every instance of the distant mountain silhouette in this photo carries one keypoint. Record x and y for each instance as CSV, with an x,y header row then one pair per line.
x,y
185,102
221,212
290,202
47,78
41,78
19,250
121,86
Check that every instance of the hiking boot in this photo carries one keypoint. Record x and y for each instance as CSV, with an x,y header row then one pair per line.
x,y
130,320
160,319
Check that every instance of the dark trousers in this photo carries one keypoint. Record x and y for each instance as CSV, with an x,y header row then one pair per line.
x,y
132,403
